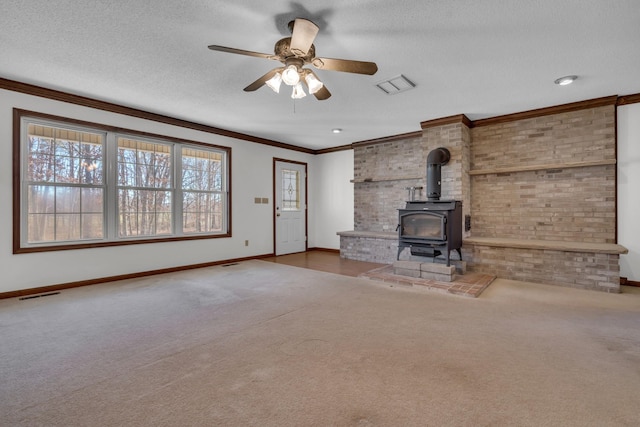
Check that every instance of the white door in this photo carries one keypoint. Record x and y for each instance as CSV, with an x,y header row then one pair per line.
x,y
290,203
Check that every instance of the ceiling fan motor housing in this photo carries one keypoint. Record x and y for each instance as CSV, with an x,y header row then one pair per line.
x,y
282,49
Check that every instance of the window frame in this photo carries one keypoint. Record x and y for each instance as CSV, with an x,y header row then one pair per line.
x,y
182,188
114,189
110,148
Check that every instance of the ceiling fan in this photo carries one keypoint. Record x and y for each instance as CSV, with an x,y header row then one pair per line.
x,y
295,52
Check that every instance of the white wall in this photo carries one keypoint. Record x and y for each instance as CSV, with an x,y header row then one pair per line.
x,y
332,198
252,176
629,189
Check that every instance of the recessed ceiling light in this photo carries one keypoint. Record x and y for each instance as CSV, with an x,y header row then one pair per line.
x,y
336,130
566,80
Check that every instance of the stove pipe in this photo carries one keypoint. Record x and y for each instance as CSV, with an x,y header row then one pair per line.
x,y
435,160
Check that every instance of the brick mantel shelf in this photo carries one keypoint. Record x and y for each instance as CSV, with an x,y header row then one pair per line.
x,y
563,165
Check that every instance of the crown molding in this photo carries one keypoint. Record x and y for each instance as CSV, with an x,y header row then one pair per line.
x,y
391,138
556,109
450,120
334,149
84,101
628,99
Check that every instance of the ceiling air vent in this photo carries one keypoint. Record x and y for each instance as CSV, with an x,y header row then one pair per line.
x,y
396,85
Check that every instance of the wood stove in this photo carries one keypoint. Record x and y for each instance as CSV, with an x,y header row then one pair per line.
x,y
430,228
433,226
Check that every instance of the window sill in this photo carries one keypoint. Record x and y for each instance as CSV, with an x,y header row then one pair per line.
x,y
51,248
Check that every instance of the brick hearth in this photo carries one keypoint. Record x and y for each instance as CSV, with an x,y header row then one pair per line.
x,y
467,285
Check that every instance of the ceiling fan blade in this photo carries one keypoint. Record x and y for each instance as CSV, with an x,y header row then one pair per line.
x,y
345,65
304,32
241,52
262,80
322,94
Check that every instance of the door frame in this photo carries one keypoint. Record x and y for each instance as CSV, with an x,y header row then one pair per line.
x,y
306,201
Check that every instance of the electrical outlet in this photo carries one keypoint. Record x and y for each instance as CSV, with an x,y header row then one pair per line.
x,y
246,243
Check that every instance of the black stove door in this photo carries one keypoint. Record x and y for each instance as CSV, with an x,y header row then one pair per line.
x,y
422,226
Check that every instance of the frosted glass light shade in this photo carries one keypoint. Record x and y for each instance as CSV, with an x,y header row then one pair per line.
x,y
298,92
290,75
313,83
275,82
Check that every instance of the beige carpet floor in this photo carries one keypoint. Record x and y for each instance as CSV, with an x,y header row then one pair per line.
x,y
265,344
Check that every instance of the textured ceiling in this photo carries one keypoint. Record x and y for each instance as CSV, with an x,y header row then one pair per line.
x,y
482,58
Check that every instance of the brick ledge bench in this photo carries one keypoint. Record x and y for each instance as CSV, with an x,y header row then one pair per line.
x,y
370,246
554,245
582,265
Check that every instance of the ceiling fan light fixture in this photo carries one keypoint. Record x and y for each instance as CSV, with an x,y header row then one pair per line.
x,y
313,83
295,53
298,92
290,75
275,82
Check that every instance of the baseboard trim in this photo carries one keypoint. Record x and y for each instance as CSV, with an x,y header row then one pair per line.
x,y
333,251
89,282
626,282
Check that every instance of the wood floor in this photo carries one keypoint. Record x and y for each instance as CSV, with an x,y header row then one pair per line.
x,y
330,262
327,261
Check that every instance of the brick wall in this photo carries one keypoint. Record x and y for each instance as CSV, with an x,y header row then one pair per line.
x,y
545,178
376,204
383,251
456,182
382,173
575,204
595,271
456,138
582,135
572,204
389,160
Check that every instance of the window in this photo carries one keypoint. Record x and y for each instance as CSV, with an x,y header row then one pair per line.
x,y
145,188
202,204
290,190
84,184
64,184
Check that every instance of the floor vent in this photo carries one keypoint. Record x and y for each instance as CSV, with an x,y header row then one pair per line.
x,y
38,296
229,265
396,85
